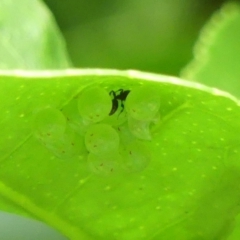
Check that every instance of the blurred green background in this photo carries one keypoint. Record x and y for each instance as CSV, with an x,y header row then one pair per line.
x,y
149,35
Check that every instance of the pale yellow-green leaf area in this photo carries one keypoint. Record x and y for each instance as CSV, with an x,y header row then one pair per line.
x,y
217,52
29,37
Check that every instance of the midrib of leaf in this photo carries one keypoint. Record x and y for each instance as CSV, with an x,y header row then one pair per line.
x,y
169,116
50,218
71,193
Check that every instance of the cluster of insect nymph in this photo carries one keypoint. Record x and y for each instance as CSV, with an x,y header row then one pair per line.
x,y
112,128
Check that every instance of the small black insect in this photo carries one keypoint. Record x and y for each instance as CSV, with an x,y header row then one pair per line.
x,y
118,95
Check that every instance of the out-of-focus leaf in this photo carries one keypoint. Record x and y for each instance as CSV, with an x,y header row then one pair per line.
x,y
190,190
29,37
217,52
154,36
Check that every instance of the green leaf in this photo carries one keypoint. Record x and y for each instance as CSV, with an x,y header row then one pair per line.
x,y
30,38
163,44
188,191
217,52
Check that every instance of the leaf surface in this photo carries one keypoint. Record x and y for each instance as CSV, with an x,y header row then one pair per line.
x,y
189,190
30,38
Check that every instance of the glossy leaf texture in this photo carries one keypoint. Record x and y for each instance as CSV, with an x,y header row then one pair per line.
x,y
30,38
189,190
217,52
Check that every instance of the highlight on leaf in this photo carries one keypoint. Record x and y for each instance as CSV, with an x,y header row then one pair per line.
x,y
94,104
